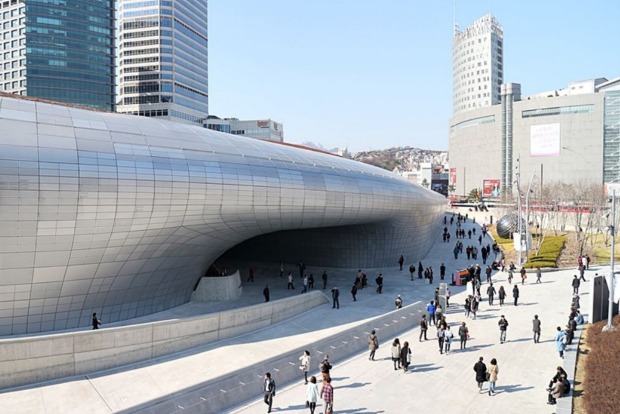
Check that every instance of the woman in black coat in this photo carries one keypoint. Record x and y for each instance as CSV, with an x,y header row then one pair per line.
x,y
405,356
481,373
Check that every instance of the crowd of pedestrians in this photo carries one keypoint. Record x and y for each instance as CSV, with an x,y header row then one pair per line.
x,y
435,318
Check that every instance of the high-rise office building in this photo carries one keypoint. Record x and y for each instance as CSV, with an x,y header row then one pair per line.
x,y
59,50
163,59
477,65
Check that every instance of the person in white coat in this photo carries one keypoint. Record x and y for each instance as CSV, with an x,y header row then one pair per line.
x,y
312,395
305,364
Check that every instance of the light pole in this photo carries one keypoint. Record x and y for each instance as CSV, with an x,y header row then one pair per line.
x,y
610,285
519,213
527,216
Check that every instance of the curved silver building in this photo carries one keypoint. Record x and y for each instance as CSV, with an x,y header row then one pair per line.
x,y
122,215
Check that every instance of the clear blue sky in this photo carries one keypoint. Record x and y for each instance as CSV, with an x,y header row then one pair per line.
x,y
377,74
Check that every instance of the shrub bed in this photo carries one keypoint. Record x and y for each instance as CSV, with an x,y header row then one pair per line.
x,y
602,369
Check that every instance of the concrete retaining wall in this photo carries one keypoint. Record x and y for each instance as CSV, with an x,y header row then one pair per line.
x,y
34,359
218,288
246,383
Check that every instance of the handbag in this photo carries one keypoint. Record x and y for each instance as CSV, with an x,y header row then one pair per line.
x,y
307,404
487,376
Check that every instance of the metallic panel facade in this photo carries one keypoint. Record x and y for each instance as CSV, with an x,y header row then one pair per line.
x,y
121,215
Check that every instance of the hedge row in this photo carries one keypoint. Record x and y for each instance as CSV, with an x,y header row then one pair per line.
x,y
549,253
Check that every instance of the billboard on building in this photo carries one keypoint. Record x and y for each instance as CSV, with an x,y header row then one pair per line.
x,y
452,176
545,140
491,188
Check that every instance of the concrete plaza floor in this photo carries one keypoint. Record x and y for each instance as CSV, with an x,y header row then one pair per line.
x,y
447,382
435,382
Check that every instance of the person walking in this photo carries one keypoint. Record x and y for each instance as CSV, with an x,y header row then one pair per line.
x,y
448,336
401,260
438,313
373,345
411,271
324,277
493,371
474,306
269,387
95,321
335,298
538,275
398,302
481,373
463,335
536,329
405,356
501,294
515,294
305,364
467,306
266,293
503,327
440,338
396,354
582,270
290,281
379,282
325,367
312,394
354,291
510,276
423,327
560,342
576,283
327,393
491,293
305,284
251,274
430,309
442,271
281,269
523,275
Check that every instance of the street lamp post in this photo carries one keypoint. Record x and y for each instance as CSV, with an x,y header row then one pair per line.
x,y
612,228
519,212
527,216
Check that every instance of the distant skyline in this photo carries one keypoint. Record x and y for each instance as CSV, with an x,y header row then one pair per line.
x,y
370,75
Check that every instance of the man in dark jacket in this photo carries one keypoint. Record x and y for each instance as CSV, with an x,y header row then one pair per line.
x,y
576,284
481,371
423,327
336,297
491,293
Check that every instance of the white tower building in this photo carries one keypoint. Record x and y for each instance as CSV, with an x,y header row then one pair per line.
x,y
477,65
163,59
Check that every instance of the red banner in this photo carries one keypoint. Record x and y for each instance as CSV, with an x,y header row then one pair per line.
x,y
491,188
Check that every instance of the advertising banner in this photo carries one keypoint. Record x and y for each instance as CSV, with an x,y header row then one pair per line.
x,y
544,140
452,176
491,188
